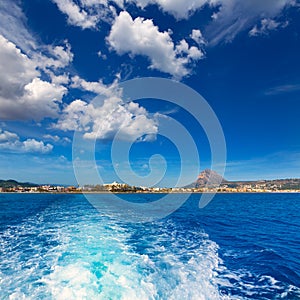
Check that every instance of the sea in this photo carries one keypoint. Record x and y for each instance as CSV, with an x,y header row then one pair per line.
x,y
240,246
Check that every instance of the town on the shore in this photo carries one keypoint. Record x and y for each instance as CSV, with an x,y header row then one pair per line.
x,y
208,181
116,187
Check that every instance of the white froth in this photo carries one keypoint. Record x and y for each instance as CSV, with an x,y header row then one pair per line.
x,y
87,258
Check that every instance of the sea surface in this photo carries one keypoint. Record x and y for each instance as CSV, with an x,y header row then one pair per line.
x,y
240,246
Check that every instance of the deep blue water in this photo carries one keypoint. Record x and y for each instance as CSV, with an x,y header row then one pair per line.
x,y
240,246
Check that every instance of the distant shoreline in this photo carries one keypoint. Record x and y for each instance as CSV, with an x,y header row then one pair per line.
x,y
208,181
136,193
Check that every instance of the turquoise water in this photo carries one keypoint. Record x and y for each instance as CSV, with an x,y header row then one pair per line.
x,y
241,246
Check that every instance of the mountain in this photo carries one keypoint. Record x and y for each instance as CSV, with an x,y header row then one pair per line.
x,y
212,179
13,183
207,178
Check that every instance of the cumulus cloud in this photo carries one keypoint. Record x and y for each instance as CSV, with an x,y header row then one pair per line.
x,y
192,53
34,146
74,117
23,95
76,15
142,37
57,139
229,17
197,36
25,92
54,138
61,79
6,136
88,13
13,26
10,141
15,67
104,121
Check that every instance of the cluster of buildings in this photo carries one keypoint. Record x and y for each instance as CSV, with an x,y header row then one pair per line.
x,y
258,187
39,189
116,187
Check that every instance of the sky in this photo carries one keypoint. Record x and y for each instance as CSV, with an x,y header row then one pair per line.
x,y
56,56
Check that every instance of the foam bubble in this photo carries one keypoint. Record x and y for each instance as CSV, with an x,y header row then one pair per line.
x,y
63,254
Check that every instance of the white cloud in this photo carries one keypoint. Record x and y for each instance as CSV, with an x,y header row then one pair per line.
x,y
88,13
63,55
197,36
103,122
6,136
15,67
23,95
102,55
266,25
228,19
50,59
234,16
13,25
93,3
62,79
57,139
54,57
76,15
282,89
74,117
95,87
180,9
142,37
193,52
66,140
10,141
54,138
34,146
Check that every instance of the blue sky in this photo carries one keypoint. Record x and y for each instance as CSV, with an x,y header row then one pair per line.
x,y
56,56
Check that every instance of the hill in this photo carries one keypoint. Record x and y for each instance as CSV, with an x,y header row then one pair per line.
x,y
13,183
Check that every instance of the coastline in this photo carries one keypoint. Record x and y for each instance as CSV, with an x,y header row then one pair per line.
x,y
158,192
